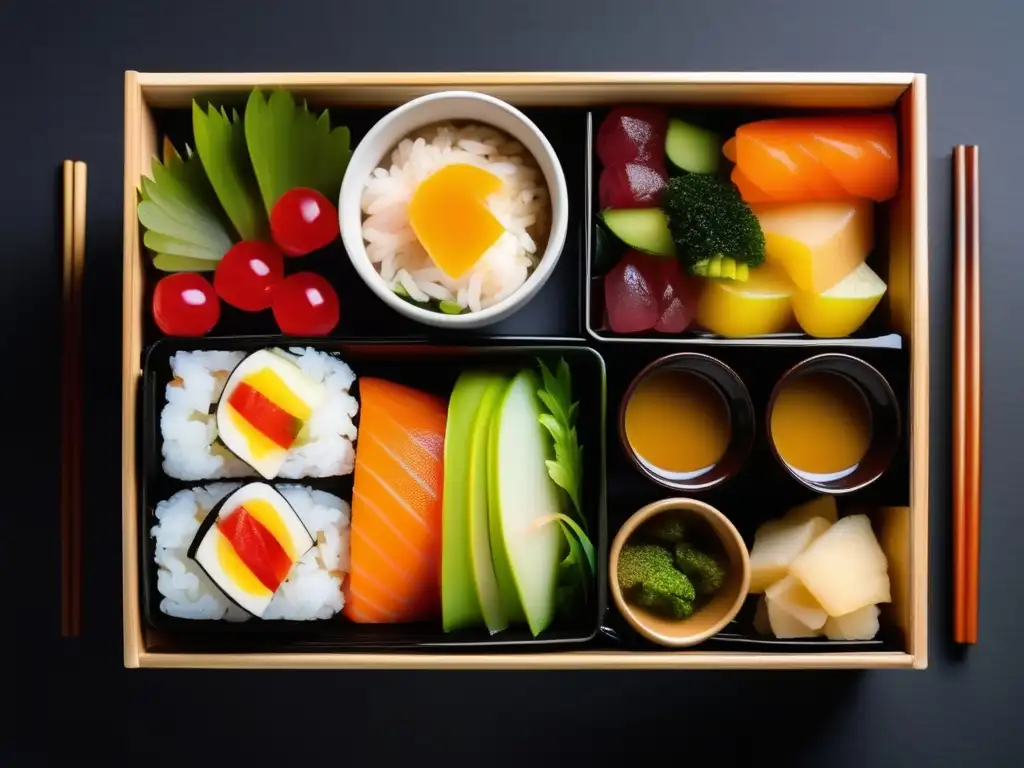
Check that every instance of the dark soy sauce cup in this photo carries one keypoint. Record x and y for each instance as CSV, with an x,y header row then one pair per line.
x,y
737,409
881,410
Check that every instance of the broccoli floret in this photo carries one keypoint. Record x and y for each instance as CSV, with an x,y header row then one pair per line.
x,y
665,528
648,578
704,570
708,219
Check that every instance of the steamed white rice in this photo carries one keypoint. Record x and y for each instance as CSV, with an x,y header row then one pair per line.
x,y
522,206
312,589
191,450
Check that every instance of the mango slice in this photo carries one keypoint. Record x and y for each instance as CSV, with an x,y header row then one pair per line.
x,y
817,243
449,215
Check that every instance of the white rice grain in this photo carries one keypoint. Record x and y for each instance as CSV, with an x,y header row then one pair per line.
x,y
521,206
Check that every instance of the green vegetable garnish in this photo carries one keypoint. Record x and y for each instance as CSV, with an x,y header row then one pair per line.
x,y
667,605
449,307
579,566
291,147
566,469
179,211
665,528
220,141
704,570
647,576
714,230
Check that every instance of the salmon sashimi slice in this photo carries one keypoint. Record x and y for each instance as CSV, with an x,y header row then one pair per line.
x,y
395,550
817,158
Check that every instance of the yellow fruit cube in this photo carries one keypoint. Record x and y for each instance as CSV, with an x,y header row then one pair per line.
x,y
843,308
758,305
817,243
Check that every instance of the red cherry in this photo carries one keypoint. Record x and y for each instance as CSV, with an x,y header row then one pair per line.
x,y
184,304
305,304
302,221
248,273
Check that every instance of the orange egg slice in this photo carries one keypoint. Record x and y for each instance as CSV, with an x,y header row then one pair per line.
x,y
450,218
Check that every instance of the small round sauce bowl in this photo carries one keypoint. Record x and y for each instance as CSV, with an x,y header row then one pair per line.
x,y
653,433
701,523
844,400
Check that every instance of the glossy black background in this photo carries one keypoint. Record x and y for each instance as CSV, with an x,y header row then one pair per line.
x,y
63,65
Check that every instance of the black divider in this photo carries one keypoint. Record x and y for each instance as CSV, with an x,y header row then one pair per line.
x,y
554,311
426,367
760,491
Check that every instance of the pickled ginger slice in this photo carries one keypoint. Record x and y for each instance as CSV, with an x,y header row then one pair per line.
x,y
248,544
264,408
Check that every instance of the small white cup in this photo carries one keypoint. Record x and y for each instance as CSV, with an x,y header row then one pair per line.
x,y
410,117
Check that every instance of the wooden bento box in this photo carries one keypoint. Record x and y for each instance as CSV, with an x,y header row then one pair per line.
x,y
567,317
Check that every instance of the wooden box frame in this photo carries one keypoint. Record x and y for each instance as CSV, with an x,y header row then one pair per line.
x,y
904,529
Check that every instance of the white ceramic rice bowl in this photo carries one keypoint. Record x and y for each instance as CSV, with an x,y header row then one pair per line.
x,y
411,117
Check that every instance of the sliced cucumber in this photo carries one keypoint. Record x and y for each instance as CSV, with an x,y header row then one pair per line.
x,y
692,148
645,229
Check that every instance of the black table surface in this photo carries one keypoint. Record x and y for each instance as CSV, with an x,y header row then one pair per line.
x,y
65,62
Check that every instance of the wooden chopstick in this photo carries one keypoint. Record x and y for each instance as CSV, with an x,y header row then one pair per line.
x,y
966,394
72,273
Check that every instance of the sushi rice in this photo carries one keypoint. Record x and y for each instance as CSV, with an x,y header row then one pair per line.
x,y
521,206
191,449
313,587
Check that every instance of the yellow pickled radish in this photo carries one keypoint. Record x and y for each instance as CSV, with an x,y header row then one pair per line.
x,y
842,309
449,215
817,243
756,306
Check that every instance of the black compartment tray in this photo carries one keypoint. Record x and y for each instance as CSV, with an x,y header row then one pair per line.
x,y
556,310
421,365
761,490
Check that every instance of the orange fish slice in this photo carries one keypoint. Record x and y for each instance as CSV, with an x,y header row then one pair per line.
x,y
817,158
396,505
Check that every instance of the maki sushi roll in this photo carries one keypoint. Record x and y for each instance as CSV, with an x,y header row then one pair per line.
x,y
274,414
312,588
248,544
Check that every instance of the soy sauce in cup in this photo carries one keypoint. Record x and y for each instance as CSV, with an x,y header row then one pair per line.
x,y
687,421
834,423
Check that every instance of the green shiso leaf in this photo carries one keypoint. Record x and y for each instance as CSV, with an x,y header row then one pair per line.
x,y
220,141
160,243
168,262
179,210
566,469
291,147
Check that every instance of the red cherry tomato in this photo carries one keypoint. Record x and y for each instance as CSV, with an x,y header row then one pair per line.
x,y
184,304
305,304
302,221
248,273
